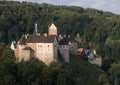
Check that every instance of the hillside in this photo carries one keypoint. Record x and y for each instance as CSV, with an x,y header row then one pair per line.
x,y
87,74
21,17
99,30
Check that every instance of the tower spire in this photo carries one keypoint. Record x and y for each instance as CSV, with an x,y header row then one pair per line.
x,y
36,28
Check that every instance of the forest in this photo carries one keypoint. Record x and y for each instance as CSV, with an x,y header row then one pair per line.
x,y
99,29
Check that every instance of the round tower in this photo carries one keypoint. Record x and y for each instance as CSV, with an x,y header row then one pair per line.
x,y
52,30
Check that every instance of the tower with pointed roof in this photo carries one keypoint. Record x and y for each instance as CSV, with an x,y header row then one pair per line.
x,y
52,30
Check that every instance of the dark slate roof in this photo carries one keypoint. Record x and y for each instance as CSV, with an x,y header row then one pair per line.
x,y
64,41
40,39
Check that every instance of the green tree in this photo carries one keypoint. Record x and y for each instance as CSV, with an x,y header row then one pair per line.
x,y
103,80
115,73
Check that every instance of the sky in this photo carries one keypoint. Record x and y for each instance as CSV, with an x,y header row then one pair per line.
x,y
105,5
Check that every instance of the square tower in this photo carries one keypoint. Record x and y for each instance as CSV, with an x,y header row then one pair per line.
x,y
52,30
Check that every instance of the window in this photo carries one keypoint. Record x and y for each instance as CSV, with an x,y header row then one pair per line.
x,y
64,46
48,46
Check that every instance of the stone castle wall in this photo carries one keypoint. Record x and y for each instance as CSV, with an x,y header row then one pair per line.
x,y
55,48
33,48
45,52
64,50
99,61
73,47
22,55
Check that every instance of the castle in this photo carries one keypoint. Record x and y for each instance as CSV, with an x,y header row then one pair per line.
x,y
44,47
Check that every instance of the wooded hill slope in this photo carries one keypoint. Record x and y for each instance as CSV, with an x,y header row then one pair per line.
x,y
99,29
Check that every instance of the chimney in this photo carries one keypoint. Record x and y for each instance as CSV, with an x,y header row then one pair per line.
x,y
45,34
26,36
